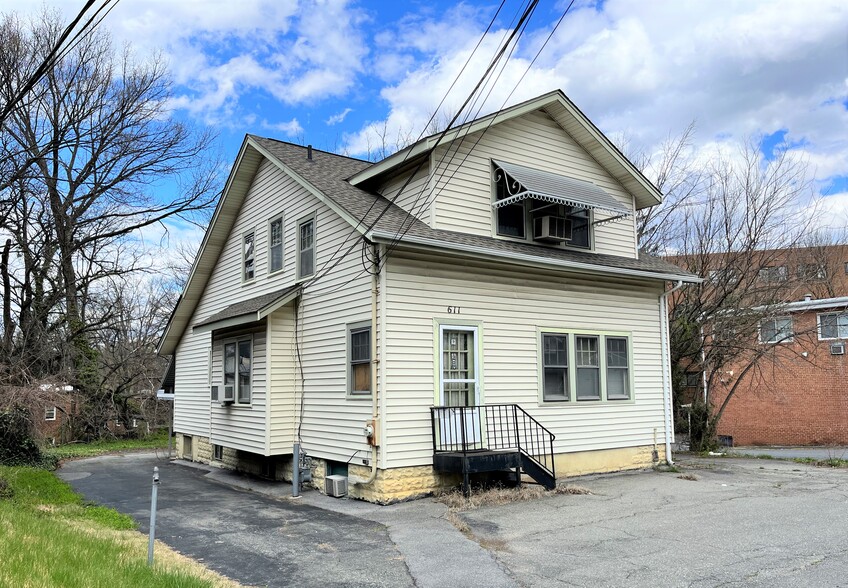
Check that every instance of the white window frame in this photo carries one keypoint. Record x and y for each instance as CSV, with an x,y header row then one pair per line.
x,y
568,367
244,236
303,220
353,328
773,274
602,337
281,244
789,339
50,413
839,315
236,396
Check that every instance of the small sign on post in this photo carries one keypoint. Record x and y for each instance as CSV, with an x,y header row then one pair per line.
x,y
153,498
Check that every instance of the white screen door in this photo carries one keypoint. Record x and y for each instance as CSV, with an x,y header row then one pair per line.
x,y
459,384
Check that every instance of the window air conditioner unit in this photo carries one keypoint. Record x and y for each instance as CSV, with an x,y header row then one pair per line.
x,y
229,394
837,348
551,228
213,393
335,485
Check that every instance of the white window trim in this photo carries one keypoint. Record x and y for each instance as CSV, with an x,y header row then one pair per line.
x,y
819,328
279,217
528,224
790,339
304,219
50,410
572,363
238,340
244,235
351,394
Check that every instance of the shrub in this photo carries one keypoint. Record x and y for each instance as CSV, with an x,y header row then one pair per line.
x,y
17,442
6,491
702,436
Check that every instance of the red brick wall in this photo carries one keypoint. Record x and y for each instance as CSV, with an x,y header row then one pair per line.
x,y
793,401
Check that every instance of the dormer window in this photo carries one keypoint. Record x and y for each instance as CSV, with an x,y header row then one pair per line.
x,y
546,208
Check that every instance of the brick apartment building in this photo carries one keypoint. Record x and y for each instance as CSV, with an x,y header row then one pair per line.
x,y
798,395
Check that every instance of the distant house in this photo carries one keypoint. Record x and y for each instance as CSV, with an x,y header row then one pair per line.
x,y
474,302
799,395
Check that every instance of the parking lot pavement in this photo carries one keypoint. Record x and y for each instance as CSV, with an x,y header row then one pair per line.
x,y
251,538
742,522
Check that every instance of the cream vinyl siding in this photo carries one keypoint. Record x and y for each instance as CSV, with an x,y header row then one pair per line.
x,y
332,426
416,197
241,426
510,305
463,185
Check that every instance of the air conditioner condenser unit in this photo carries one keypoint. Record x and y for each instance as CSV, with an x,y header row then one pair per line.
x,y
551,228
335,485
837,348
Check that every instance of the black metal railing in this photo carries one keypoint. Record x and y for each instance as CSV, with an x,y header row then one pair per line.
x,y
491,427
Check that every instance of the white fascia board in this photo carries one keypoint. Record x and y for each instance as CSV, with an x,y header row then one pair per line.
x,y
532,260
164,347
354,222
279,303
233,321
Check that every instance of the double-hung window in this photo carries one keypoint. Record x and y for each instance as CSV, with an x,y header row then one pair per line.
x,y
238,368
306,247
359,374
776,330
50,413
833,325
275,245
247,257
585,367
555,368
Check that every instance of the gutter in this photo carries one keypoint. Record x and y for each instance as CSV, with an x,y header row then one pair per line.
x,y
666,368
525,259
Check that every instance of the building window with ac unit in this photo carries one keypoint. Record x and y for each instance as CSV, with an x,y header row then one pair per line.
x,y
833,325
545,220
602,367
275,245
238,370
776,330
247,257
306,247
359,359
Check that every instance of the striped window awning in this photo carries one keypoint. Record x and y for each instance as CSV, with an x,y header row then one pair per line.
x,y
527,183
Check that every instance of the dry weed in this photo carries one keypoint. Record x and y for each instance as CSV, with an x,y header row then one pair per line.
x,y
571,489
690,477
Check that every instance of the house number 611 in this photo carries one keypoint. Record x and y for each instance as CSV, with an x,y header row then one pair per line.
x,y
453,310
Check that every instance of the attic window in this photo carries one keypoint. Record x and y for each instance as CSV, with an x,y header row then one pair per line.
x,y
247,257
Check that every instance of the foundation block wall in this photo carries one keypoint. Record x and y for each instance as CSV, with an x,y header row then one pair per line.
x,y
399,484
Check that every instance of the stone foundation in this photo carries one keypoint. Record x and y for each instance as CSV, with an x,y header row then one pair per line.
x,y
399,484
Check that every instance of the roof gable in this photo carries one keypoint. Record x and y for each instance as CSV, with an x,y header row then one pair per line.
x,y
565,113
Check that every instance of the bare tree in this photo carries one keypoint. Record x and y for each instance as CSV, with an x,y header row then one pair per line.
x,y
90,158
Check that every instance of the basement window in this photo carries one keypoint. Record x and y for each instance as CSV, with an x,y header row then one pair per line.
x,y
50,413
218,452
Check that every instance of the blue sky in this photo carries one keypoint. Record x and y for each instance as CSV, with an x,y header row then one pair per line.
x,y
341,74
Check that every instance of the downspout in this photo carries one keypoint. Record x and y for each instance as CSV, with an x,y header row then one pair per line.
x,y
666,367
375,275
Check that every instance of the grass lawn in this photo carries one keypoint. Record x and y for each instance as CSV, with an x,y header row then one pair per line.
x,y
51,537
159,440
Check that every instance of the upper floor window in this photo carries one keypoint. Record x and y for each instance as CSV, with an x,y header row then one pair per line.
x,y
247,257
306,247
275,245
833,325
776,330
812,271
777,273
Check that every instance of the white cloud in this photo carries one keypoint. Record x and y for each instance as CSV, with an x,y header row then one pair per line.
x,y
291,128
339,117
738,69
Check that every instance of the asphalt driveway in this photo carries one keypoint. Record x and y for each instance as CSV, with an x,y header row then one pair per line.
x,y
733,522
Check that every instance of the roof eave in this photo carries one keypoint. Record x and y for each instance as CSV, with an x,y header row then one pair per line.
x,y
530,260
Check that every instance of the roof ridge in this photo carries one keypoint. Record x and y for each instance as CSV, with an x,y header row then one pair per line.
x,y
304,147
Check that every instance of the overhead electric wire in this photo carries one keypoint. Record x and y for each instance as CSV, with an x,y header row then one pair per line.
x,y
524,17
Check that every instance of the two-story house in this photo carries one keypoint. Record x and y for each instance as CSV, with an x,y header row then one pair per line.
x,y
476,301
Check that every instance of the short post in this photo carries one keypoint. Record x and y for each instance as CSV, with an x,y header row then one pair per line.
x,y
296,471
153,498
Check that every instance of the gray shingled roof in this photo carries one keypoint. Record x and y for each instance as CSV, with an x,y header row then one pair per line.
x,y
251,306
329,172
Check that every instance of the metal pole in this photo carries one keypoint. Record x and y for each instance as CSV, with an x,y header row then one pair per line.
x,y
171,430
153,516
296,471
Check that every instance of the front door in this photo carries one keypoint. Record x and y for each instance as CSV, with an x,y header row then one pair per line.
x,y
459,386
